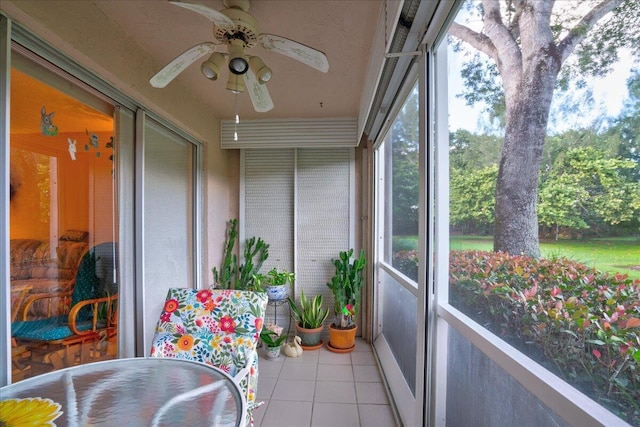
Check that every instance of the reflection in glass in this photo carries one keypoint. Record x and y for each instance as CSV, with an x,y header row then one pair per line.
x,y
401,190
62,228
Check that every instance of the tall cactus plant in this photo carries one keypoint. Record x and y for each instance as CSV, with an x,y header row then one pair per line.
x,y
346,284
240,276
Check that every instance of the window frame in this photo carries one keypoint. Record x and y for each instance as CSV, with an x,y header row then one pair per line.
x,y
559,396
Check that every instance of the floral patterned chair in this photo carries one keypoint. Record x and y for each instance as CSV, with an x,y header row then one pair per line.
x,y
218,327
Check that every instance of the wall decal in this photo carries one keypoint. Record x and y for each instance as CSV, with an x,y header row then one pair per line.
x,y
110,145
72,148
94,141
46,124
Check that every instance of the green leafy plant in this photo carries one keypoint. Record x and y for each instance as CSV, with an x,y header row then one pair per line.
x,y
274,278
272,336
309,314
345,285
407,262
241,276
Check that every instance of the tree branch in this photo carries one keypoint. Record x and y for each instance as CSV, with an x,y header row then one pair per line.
x,y
508,54
475,39
514,23
579,32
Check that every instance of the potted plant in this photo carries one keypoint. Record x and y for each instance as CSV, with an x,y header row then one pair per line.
x,y
275,283
345,285
240,276
310,317
272,338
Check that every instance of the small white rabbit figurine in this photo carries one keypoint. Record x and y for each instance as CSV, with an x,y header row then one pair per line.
x,y
72,148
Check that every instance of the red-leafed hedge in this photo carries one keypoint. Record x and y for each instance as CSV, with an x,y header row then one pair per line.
x,y
582,324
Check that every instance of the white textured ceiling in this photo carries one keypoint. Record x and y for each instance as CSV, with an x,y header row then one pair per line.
x,y
342,29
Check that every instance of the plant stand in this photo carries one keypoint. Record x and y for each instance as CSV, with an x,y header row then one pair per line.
x,y
276,304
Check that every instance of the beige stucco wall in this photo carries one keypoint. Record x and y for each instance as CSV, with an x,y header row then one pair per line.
x,y
84,34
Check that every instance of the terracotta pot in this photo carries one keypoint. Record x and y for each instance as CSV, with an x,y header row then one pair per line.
x,y
310,337
342,340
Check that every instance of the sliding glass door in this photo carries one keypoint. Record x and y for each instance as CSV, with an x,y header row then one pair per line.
x,y
168,164
399,328
63,221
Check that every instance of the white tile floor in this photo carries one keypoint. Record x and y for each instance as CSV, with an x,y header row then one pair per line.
x,y
323,389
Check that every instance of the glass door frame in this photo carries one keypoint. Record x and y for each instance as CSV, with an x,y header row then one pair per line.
x,y
5,84
410,407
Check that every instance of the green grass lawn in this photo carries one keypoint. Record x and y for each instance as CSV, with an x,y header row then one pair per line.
x,y
615,255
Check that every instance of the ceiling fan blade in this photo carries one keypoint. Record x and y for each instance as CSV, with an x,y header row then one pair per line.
x,y
175,67
305,54
219,19
258,93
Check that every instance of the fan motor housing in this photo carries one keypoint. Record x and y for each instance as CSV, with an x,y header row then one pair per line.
x,y
246,28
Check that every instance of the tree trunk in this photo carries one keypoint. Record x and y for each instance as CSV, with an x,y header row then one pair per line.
x,y
516,225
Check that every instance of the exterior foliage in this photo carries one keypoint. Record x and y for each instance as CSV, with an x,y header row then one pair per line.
x,y
584,323
406,261
586,189
405,171
528,43
472,198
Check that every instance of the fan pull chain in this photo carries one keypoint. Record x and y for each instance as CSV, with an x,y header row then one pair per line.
x,y
235,126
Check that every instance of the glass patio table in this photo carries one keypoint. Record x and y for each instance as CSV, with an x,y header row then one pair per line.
x,y
129,392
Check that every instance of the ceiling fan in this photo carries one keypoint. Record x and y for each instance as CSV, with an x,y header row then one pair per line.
x,y
238,30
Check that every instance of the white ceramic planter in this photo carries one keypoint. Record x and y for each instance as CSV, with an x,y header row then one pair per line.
x,y
273,352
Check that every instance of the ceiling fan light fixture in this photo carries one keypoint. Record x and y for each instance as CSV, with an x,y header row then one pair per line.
x,y
212,66
262,72
238,61
235,83
236,28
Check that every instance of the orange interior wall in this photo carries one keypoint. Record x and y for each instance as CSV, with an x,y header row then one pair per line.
x,y
53,196
84,187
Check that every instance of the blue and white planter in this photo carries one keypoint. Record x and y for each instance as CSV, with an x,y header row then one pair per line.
x,y
273,353
276,293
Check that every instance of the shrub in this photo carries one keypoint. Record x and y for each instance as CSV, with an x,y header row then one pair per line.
x,y
407,263
583,323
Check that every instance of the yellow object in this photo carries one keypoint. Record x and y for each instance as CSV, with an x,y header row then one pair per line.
x,y
29,412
